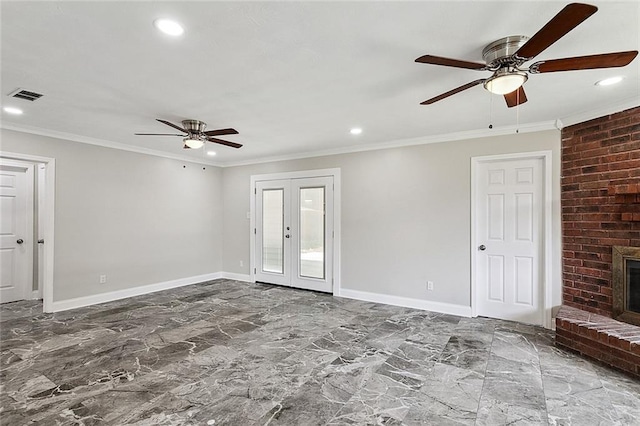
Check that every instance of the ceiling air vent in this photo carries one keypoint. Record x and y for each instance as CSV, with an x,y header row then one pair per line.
x,y
27,95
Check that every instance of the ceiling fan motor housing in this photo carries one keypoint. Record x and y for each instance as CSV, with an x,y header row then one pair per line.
x,y
194,127
500,52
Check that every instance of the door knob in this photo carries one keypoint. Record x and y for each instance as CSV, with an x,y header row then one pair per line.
x,y
286,236
20,241
482,247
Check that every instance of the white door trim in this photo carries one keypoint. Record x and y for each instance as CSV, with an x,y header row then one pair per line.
x,y
46,219
547,251
335,173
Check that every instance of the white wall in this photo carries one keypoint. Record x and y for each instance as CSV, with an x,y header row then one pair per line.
x,y
137,218
405,214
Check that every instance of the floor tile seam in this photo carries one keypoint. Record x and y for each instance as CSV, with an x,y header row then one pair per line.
x,y
542,382
484,378
353,395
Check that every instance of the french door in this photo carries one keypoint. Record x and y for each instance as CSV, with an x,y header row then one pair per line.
x,y
294,232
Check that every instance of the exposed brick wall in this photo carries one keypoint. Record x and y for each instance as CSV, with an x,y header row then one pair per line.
x,y
600,172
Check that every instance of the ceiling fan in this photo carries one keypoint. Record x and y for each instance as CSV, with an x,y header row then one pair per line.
x,y
506,56
196,136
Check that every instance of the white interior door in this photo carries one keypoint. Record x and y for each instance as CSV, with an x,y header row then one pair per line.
x,y
16,230
509,212
294,233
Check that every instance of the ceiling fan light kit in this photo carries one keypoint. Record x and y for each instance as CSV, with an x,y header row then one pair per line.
x,y
506,56
193,143
505,81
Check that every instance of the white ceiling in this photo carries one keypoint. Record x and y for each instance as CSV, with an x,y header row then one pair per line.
x,y
292,77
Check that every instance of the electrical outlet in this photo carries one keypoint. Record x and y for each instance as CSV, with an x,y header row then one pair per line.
x,y
103,279
241,263
430,285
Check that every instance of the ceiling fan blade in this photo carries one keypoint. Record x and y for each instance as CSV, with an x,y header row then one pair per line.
x,y
221,132
453,92
605,60
437,60
515,98
227,143
172,125
158,134
567,19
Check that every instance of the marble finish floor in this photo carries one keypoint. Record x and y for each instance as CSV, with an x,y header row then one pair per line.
x,y
232,353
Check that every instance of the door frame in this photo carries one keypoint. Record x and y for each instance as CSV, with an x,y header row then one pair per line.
x,y
46,210
547,248
335,173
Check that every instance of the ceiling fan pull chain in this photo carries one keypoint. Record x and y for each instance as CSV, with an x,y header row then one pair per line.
x,y
518,111
490,111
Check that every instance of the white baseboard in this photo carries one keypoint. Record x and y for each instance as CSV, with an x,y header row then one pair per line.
x,y
237,277
78,302
35,295
427,305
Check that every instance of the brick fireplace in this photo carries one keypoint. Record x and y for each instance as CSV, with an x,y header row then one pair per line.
x,y
600,210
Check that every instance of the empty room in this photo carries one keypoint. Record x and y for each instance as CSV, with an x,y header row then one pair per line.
x,y
320,213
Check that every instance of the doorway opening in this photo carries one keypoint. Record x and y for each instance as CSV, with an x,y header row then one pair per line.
x,y
36,272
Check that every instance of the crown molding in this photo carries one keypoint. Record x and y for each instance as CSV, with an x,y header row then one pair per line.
x,y
424,140
447,137
104,143
581,117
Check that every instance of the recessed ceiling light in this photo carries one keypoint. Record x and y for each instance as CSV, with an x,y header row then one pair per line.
x,y
12,110
211,153
169,27
609,81
355,131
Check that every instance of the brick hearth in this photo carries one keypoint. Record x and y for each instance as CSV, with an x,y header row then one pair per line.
x,y
600,209
602,338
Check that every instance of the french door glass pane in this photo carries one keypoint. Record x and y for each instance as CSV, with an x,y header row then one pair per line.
x,y
312,229
272,230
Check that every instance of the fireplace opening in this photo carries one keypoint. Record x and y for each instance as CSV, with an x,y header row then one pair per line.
x,y
626,284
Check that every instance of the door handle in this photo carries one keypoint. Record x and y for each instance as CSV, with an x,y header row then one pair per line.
x,y
482,247
20,241
40,241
